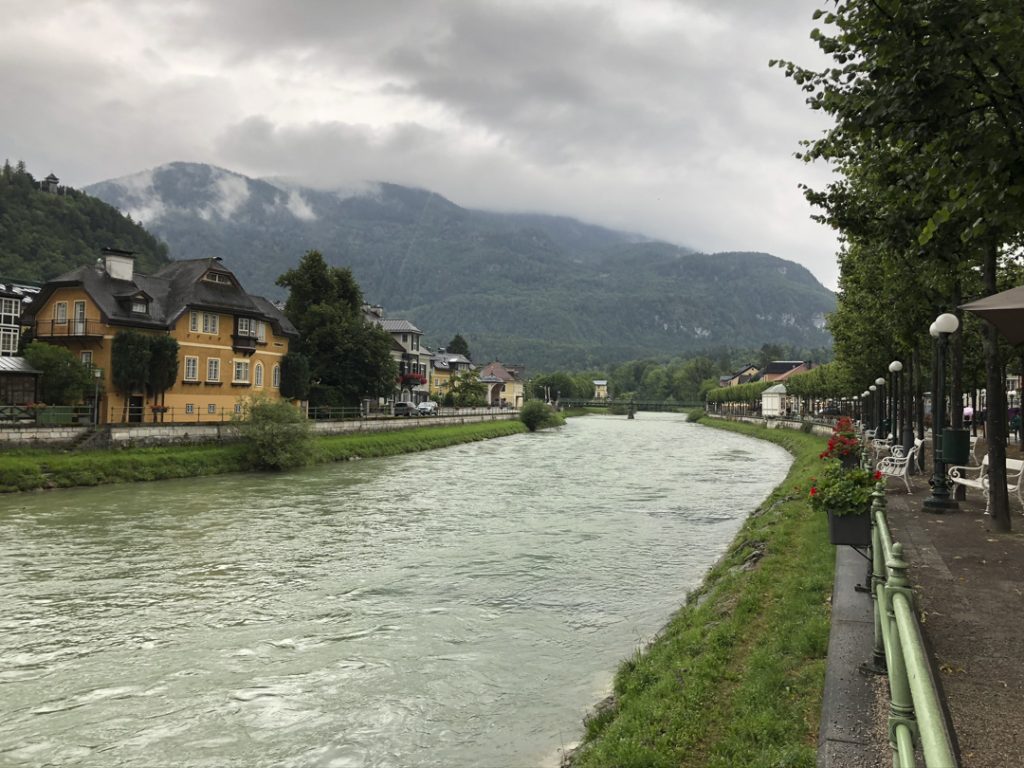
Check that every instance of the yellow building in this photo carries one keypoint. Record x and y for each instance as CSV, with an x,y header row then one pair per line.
x,y
505,384
443,366
230,344
600,389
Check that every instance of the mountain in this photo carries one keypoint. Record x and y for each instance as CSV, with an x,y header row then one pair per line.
x,y
546,291
45,232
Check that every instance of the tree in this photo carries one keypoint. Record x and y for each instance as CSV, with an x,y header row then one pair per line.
x,y
129,365
294,376
163,366
349,358
64,380
277,434
466,389
459,346
928,102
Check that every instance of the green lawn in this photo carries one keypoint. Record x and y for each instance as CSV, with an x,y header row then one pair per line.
x,y
31,469
736,677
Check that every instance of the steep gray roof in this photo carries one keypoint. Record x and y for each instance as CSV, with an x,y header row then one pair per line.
x,y
398,326
172,290
16,365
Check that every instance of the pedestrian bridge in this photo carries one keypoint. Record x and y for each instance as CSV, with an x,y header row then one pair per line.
x,y
626,405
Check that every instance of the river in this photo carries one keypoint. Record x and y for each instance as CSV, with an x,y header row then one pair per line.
x,y
458,607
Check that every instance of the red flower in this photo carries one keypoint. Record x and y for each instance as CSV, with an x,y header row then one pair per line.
x,y
814,491
878,475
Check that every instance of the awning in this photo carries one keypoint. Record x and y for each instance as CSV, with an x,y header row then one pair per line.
x,y
1004,310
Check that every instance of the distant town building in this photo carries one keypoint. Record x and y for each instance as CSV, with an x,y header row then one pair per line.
x,y
15,298
600,389
780,370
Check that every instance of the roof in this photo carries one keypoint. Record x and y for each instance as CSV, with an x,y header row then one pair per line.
x,y
19,289
776,389
172,290
17,365
601,382
397,326
781,366
446,360
499,371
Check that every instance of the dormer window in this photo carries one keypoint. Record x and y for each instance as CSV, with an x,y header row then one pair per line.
x,y
140,306
221,278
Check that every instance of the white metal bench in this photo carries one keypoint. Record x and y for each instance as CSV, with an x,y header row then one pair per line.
x,y
977,477
898,465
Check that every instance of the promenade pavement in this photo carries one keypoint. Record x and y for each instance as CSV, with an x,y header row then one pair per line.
x,y
969,585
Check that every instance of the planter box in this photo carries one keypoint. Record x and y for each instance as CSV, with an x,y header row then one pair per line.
x,y
852,530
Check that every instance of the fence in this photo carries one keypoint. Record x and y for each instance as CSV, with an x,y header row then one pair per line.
x,y
50,415
135,414
916,716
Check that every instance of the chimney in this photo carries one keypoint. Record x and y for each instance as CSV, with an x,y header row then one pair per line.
x,y
120,265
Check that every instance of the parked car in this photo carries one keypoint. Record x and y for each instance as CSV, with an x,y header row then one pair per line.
x,y
405,408
427,408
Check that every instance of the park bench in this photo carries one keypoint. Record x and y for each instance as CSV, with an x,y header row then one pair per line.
x,y
977,477
898,464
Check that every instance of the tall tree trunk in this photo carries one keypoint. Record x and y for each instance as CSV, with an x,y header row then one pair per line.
x,y
995,429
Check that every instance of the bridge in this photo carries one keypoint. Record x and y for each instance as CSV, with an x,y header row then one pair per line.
x,y
625,405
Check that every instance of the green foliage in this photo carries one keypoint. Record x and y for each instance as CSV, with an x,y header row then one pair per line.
x,y
536,414
349,358
466,389
295,376
558,386
129,363
43,235
163,364
841,491
65,381
742,393
276,433
459,346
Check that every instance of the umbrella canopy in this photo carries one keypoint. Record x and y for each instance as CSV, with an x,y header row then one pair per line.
x,y
1004,310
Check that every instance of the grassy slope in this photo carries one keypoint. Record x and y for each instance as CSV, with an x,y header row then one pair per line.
x,y
736,676
32,469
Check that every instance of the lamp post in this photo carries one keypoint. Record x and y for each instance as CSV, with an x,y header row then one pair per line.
x,y
873,390
97,373
898,437
880,383
940,500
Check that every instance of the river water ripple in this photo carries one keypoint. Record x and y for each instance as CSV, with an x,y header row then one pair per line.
x,y
459,607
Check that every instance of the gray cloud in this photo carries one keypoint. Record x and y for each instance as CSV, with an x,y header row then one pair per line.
x,y
658,116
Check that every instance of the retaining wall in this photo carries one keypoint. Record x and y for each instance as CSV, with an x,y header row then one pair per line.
x,y
163,434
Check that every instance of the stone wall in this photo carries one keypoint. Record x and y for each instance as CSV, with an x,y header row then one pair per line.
x,y
164,434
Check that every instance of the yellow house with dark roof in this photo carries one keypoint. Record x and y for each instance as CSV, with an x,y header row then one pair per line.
x,y
230,344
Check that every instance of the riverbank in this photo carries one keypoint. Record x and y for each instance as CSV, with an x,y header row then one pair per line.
x,y
736,676
35,469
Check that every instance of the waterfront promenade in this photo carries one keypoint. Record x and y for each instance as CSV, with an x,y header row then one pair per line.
x,y
969,585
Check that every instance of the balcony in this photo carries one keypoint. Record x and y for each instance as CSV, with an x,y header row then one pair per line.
x,y
244,344
75,329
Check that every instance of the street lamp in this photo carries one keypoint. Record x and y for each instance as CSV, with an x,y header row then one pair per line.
x,y
880,405
874,409
898,438
940,500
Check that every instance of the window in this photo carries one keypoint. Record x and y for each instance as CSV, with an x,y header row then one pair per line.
x,y
139,306
211,408
405,338
191,368
241,372
238,409
261,331
275,377
217,277
60,312
245,326
10,311
211,322
190,408
193,321
8,341
86,358
258,374
415,341
213,369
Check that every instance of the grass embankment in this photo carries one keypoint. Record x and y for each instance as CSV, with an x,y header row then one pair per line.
x,y
31,469
736,676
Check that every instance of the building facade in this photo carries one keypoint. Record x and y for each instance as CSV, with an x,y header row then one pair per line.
x,y
230,344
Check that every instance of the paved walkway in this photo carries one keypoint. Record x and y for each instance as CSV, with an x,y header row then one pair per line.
x,y
969,583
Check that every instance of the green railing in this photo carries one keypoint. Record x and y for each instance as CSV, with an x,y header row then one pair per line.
x,y
50,415
916,717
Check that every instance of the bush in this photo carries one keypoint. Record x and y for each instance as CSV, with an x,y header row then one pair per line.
x,y
537,415
276,433
695,414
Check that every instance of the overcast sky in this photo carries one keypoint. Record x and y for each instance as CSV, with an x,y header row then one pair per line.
x,y
658,117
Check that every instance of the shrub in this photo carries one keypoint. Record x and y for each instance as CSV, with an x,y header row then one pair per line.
x,y
537,415
276,434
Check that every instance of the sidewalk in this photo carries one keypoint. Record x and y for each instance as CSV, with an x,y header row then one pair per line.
x,y
969,584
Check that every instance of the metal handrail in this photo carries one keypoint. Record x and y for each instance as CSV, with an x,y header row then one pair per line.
x,y
915,713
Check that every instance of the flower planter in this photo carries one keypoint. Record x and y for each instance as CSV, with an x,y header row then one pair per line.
x,y
852,530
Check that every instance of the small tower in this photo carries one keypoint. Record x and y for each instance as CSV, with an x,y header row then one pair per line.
x,y
50,184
